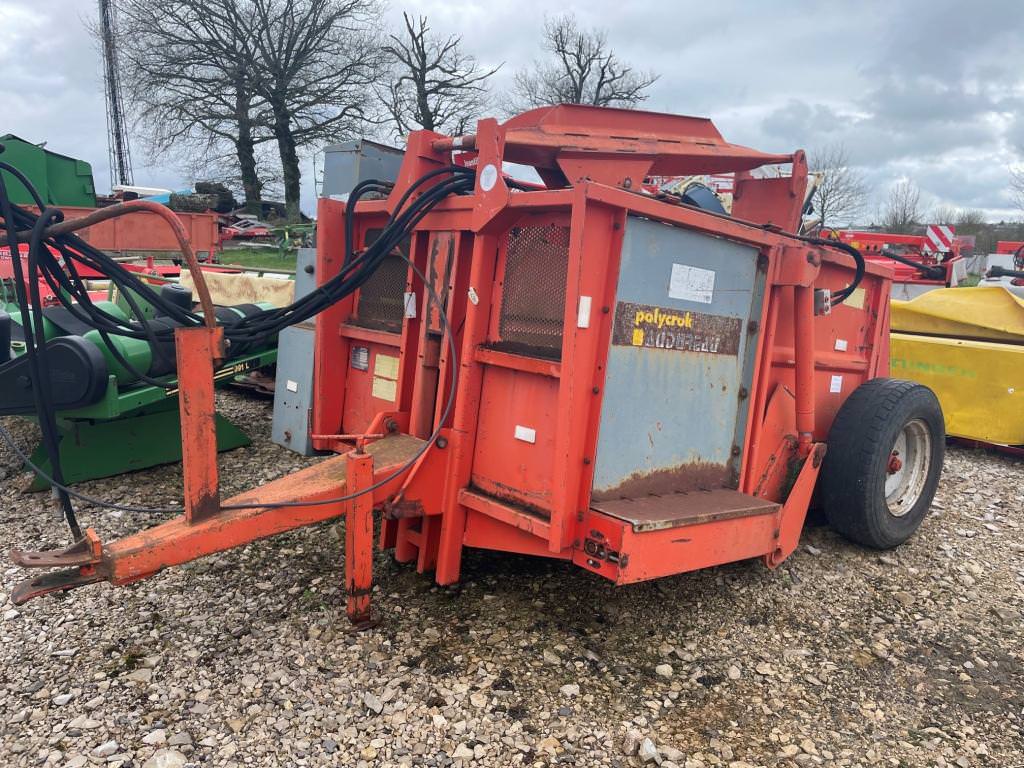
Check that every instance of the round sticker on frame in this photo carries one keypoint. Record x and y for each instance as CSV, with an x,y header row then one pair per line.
x,y
488,177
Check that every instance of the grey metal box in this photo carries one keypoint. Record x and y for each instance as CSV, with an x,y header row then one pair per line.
x,y
351,162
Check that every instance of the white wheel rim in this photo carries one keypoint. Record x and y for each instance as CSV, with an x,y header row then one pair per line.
x,y
907,467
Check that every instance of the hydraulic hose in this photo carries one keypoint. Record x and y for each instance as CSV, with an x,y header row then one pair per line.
x,y
838,297
928,270
62,276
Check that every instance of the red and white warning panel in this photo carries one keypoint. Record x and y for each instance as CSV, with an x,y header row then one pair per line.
x,y
939,238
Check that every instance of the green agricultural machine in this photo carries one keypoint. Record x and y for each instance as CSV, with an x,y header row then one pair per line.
x,y
109,419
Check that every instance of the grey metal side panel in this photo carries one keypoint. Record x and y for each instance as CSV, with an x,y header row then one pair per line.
x,y
671,407
305,272
293,388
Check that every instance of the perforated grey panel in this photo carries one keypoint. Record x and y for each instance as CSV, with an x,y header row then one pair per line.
x,y
533,294
381,299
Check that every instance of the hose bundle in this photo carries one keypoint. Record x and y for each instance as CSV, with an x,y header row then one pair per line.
x,y
56,260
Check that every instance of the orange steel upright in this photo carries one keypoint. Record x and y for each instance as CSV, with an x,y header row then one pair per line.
x,y
641,387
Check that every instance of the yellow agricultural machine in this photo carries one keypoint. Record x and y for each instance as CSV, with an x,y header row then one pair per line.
x,y
967,345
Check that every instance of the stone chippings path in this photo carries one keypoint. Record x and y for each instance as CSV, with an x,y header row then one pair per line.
x,y
842,657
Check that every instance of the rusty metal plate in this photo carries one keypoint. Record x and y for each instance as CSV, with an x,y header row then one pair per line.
x,y
642,325
653,513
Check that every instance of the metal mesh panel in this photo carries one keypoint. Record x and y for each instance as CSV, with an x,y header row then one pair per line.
x,y
381,299
533,294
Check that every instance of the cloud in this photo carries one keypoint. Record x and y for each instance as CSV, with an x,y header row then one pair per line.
x,y
932,90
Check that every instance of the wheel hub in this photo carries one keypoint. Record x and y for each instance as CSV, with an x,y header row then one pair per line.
x,y
907,467
895,464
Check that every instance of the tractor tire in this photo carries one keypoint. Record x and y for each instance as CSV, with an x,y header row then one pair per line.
x,y
884,458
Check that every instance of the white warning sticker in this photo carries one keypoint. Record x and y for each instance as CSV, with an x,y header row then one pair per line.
x,y
583,312
841,345
692,284
526,434
836,384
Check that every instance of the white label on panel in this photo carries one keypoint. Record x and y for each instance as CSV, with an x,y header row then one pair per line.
x,y
526,434
583,313
840,345
488,177
410,304
692,284
473,297
836,384
291,386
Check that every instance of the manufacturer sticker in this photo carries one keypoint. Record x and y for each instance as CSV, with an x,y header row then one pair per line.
x,y
835,384
640,325
691,284
359,358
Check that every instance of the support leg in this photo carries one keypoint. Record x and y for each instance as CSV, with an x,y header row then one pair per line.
x,y
197,348
359,539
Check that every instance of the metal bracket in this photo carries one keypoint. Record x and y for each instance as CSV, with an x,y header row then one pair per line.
x,y
84,555
86,551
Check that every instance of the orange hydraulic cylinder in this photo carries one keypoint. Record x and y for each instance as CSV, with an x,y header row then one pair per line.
x,y
803,348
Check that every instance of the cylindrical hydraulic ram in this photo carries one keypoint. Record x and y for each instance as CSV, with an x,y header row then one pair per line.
x,y
803,348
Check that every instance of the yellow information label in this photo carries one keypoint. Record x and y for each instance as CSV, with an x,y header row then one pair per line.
x,y
385,389
386,367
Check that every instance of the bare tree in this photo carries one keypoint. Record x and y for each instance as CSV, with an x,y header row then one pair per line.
x,y
902,210
944,214
433,84
580,68
842,194
1017,186
315,64
974,223
192,83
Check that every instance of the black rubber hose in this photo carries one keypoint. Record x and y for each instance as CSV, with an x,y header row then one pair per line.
x,y
35,348
838,297
930,271
1004,272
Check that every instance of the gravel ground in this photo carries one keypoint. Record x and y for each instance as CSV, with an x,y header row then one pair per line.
x,y
841,657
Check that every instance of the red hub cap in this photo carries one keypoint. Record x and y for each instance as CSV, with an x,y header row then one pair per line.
x,y
895,464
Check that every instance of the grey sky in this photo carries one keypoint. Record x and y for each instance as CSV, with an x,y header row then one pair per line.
x,y
930,90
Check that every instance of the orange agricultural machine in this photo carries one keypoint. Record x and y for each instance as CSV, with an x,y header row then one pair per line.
x,y
581,371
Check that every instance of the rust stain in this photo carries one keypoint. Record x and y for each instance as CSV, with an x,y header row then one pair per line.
x,y
508,495
698,476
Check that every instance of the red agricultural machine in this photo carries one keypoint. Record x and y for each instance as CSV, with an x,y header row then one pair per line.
x,y
632,385
1015,272
921,262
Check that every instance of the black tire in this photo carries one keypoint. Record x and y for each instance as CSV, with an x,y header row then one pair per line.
x,y
860,447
